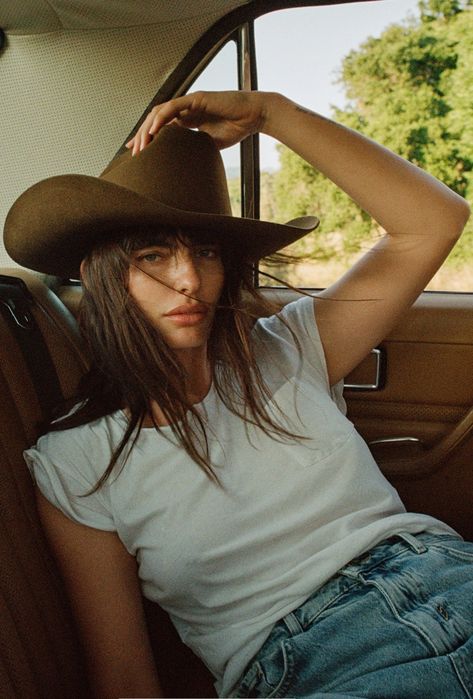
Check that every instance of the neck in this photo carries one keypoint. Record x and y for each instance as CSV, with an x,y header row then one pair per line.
x,y
196,365
198,369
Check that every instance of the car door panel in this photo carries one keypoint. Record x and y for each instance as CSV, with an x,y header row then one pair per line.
x,y
419,424
428,364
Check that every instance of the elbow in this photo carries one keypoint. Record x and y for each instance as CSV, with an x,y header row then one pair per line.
x,y
462,215
458,215
466,211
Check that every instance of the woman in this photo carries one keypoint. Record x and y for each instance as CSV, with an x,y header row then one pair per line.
x,y
286,561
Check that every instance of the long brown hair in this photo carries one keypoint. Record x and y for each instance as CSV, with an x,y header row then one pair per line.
x,y
131,365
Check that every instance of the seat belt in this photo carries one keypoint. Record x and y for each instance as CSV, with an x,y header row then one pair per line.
x,y
16,302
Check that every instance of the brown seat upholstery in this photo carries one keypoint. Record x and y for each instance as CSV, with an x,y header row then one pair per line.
x,y
39,650
40,654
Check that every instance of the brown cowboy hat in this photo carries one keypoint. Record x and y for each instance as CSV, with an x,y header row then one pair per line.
x,y
178,181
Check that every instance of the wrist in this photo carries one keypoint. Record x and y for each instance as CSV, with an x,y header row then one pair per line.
x,y
275,112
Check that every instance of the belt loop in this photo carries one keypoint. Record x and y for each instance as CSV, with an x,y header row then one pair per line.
x,y
292,624
412,542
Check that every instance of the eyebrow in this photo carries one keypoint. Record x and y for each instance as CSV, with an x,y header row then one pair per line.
x,y
156,244
164,241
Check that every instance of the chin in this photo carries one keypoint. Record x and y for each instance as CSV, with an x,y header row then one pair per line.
x,y
186,343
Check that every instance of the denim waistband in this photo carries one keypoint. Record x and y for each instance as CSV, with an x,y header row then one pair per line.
x,y
296,621
395,621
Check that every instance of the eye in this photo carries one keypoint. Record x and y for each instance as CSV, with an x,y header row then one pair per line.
x,y
152,256
208,252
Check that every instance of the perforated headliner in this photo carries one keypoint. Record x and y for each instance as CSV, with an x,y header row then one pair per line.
x,y
75,75
40,16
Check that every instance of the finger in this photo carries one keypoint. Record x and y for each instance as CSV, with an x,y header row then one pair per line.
x,y
184,110
139,139
145,138
131,142
160,120
135,142
168,111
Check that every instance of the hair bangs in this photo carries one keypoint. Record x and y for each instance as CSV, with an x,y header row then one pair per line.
x,y
132,241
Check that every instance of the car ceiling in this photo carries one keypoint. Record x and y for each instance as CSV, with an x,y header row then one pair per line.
x,y
76,75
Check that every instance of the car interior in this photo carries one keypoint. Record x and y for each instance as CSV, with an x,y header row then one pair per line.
x,y
77,78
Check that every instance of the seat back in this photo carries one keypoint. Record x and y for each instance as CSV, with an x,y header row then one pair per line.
x,y
40,358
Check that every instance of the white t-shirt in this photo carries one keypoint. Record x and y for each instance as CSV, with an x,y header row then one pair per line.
x,y
227,563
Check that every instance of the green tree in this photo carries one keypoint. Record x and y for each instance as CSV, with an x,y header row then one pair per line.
x,y
412,90
441,9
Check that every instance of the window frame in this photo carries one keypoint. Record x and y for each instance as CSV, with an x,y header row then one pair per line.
x,y
237,25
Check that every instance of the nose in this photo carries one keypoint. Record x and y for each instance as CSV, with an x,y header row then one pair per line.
x,y
187,273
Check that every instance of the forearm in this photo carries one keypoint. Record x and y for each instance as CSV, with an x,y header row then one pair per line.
x,y
401,197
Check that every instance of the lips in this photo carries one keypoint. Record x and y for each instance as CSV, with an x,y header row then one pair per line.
x,y
188,309
188,314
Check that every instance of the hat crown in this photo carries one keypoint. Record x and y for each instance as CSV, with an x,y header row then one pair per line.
x,y
180,168
178,181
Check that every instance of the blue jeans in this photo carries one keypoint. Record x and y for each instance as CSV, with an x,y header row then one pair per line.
x,y
396,623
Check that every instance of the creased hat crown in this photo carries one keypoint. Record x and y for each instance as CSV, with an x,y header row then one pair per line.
x,y
166,170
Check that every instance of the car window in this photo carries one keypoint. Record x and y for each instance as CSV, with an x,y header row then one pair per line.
x,y
401,75
222,74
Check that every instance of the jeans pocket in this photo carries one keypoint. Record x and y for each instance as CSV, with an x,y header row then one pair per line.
x,y
270,675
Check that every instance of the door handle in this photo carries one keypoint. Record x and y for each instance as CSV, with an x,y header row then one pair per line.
x,y
427,460
370,374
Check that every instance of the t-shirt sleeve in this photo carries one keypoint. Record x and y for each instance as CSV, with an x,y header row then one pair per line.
x,y
63,473
278,346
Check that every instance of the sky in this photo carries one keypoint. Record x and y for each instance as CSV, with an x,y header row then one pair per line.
x,y
299,52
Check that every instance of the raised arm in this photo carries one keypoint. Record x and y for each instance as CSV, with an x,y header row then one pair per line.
x,y
422,217
102,584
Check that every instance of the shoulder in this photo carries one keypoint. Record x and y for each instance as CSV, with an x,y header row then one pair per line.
x,y
292,333
289,343
296,317
84,450
66,465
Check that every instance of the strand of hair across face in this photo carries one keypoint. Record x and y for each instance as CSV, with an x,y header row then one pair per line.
x,y
237,309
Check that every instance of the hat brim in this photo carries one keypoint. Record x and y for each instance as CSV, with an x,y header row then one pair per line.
x,y
56,222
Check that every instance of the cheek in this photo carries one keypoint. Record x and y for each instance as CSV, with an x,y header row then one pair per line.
x,y
218,282
213,293
136,285
143,290
220,285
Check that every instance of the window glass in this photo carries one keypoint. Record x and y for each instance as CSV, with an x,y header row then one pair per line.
x,y
399,74
222,74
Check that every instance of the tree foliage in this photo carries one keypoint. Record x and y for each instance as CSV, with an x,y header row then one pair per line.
x,y
410,89
441,9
